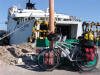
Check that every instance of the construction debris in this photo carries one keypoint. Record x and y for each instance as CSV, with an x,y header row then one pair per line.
x,y
13,54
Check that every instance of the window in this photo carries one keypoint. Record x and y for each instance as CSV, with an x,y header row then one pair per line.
x,y
42,18
59,19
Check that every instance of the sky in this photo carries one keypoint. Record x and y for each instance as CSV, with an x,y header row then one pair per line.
x,y
87,10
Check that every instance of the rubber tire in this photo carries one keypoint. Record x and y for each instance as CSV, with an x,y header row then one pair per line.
x,y
50,69
86,69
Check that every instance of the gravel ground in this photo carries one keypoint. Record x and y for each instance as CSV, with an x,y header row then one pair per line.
x,y
6,69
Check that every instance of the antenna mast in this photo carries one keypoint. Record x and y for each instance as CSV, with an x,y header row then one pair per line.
x,y
30,5
29,1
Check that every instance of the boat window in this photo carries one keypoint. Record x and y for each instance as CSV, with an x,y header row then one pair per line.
x,y
60,19
23,19
56,19
29,18
66,19
19,19
32,18
42,18
17,22
15,18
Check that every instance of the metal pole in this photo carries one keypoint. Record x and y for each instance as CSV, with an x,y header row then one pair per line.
x,y
29,1
51,18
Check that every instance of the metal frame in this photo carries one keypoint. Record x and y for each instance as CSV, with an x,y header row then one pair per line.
x,y
66,52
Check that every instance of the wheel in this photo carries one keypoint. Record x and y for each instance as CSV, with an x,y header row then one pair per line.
x,y
41,61
84,65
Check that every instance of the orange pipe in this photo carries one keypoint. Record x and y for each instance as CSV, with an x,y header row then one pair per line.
x,y
51,18
51,15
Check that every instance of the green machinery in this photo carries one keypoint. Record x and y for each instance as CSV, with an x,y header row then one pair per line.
x,y
41,28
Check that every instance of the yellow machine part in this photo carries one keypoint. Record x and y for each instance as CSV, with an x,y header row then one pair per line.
x,y
88,36
42,33
30,39
87,27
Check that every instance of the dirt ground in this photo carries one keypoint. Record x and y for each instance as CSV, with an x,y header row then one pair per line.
x,y
11,54
6,69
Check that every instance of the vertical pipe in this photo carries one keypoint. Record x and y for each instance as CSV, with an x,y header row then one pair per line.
x,y
51,18
51,15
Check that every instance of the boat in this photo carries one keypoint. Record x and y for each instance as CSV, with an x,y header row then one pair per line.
x,y
27,18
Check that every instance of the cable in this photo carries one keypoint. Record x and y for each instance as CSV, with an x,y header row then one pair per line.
x,y
16,29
